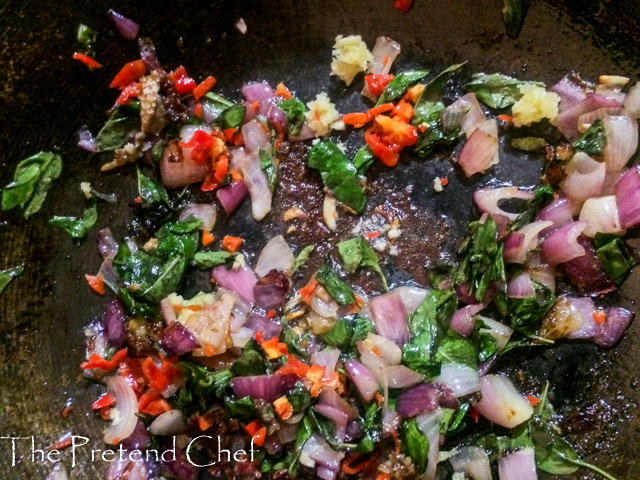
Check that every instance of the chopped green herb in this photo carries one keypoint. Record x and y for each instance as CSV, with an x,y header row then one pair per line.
x,y
251,362
295,111
6,276
400,84
525,314
86,35
348,331
337,288
615,257
208,260
231,117
201,387
78,227
529,144
543,195
267,163
363,160
302,258
31,182
497,90
513,14
357,253
593,141
414,444
119,127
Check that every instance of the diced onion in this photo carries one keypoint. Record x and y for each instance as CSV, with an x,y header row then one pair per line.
x,y
497,330
501,403
519,243
562,245
622,140
124,413
585,178
472,461
388,350
169,423
202,211
628,198
488,199
257,184
429,423
276,255
601,215
520,465
462,379
481,150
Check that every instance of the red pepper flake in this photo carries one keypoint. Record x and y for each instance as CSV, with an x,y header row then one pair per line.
x,y
96,282
184,84
259,339
130,73
61,444
505,118
96,361
474,414
106,400
533,400
599,316
204,87
444,181
372,235
271,313
255,105
207,238
403,5
198,110
231,244
87,60
68,409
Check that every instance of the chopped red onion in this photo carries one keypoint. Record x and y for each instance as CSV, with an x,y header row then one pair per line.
x,y
139,439
263,387
562,245
488,199
472,461
390,317
384,54
585,121
616,323
271,290
270,327
255,136
126,408
276,255
632,102
323,304
317,452
411,297
586,272
481,150
622,140
231,197
127,27
241,26
257,184
474,114
177,340
518,244
541,272
168,423
338,417
461,379
107,244
388,350
327,358
628,198
567,120
240,281
401,376
462,320
261,93
114,321
559,212
331,398
86,140
520,465
520,286
181,173
497,330
425,398
205,212
123,467
180,467
585,178
614,92
390,422
569,92
209,112
364,380
277,119
501,403
306,132
429,423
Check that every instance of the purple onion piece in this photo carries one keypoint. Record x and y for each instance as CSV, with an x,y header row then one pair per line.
x,y
338,417
114,323
138,440
628,198
127,27
569,92
567,121
107,244
270,327
306,133
364,380
231,197
239,281
425,398
616,323
271,290
520,465
390,317
277,119
177,340
559,212
261,93
263,387
586,272
520,286
462,320
562,245
86,140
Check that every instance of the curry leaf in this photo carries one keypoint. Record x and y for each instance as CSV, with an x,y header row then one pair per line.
x,y
615,256
231,117
399,85
85,35
78,227
454,348
348,331
433,90
497,90
593,141
363,160
31,182
529,144
208,260
513,14
118,127
414,444
267,163
357,253
525,314
6,276
338,289
302,258
295,111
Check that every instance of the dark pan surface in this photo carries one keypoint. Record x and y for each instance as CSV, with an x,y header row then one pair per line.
x,y
45,97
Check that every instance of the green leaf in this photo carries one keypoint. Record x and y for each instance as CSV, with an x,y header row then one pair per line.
x,y
347,331
432,92
302,258
414,444
400,84
219,101
543,195
267,163
593,141
295,111
86,35
363,160
231,117
201,387
31,182
481,262
356,253
300,399
147,189
454,348
250,362
118,128
497,90
6,276
513,14
529,144
241,407
371,426
78,227
338,289
208,260
338,174
525,314
615,256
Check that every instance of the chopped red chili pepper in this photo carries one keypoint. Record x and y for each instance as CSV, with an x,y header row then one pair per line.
x,y
377,82
130,73
87,60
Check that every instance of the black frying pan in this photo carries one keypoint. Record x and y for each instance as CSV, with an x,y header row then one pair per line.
x,y
45,97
